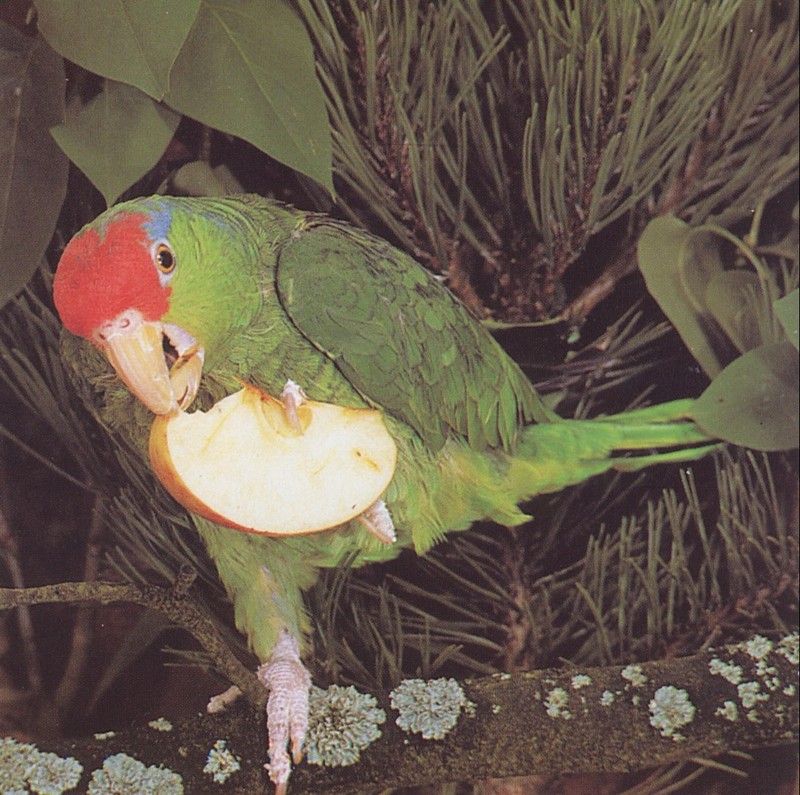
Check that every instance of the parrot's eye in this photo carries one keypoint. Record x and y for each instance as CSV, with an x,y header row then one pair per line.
x,y
165,259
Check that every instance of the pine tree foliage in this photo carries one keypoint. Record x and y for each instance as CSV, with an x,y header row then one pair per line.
x,y
668,578
494,140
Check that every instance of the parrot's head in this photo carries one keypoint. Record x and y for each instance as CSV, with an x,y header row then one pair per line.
x,y
158,285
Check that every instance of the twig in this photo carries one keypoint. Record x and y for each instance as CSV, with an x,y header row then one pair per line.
x,y
82,631
579,309
10,551
171,602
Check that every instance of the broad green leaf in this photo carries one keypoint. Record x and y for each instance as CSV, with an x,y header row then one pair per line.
x,y
198,178
698,265
754,401
247,68
787,310
132,41
117,137
734,298
661,252
33,170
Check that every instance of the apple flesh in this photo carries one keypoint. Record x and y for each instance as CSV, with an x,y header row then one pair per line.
x,y
243,464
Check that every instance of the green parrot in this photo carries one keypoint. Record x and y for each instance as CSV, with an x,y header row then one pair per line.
x,y
189,297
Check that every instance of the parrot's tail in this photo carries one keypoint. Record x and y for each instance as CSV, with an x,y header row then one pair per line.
x,y
552,456
467,484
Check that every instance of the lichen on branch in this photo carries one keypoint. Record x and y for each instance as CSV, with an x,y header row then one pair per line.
x,y
615,718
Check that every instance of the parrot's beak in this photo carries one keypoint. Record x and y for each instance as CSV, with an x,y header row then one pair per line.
x,y
138,351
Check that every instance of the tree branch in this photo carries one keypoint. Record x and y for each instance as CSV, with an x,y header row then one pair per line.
x,y
172,602
612,719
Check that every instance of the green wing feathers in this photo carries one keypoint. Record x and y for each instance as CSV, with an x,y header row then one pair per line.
x,y
400,338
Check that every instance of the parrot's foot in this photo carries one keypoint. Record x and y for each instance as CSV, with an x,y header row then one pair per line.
x,y
378,521
288,683
292,397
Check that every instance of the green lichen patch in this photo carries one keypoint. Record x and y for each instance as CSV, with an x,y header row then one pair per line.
x,y
221,762
342,723
789,647
429,708
728,711
750,694
580,680
53,774
671,709
634,675
15,758
728,670
751,667
160,725
123,775
24,768
557,701
758,647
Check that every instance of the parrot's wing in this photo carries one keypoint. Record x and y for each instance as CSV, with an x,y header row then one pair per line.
x,y
401,338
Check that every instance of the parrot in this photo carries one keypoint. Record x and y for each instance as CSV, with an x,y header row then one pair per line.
x,y
183,299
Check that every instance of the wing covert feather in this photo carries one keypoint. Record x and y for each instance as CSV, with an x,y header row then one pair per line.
x,y
401,338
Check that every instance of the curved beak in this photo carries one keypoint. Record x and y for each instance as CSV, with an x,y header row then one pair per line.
x,y
138,349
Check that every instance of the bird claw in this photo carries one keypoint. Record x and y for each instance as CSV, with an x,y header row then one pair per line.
x,y
288,683
378,521
292,397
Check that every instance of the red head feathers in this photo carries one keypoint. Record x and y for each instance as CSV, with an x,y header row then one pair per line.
x,y
101,275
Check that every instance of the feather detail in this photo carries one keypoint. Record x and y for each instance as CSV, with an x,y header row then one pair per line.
x,y
401,339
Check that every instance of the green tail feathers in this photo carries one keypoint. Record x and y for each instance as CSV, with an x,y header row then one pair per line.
x,y
465,485
553,456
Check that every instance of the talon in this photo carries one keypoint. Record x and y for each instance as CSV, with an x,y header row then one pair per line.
x,y
378,521
292,398
222,701
288,683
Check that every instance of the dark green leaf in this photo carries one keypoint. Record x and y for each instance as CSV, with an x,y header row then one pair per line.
x,y
754,401
662,251
699,263
199,179
733,298
33,170
264,87
133,41
786,310
117,137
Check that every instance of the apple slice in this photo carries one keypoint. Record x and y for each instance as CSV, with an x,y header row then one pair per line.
x,y
243,464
